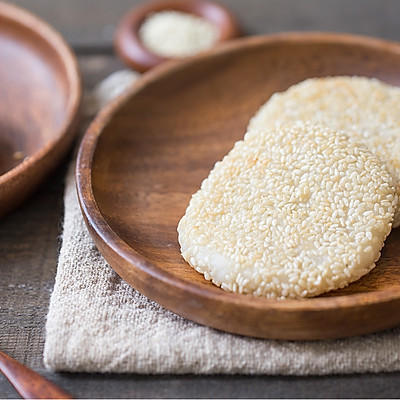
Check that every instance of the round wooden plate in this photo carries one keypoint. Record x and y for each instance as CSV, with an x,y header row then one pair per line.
x,y
39,102
147,152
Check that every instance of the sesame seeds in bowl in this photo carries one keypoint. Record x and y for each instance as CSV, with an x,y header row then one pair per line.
x,y
177,34
290,212
161,30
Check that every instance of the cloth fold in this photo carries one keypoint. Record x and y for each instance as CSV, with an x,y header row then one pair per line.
x,y
98,323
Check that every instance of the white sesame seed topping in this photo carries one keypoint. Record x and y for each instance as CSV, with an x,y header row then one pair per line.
x,y
366,109
304,211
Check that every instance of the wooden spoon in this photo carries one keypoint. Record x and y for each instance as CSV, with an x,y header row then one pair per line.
x,y
28,383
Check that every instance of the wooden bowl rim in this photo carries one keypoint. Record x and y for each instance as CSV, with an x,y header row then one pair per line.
x,y
132,51
48,34
97,222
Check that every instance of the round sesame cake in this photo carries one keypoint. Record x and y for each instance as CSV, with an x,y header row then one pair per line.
x,y
290,212
365,108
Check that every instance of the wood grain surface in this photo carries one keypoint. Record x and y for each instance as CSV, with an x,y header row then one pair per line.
x,y
30,236
143,158
39,103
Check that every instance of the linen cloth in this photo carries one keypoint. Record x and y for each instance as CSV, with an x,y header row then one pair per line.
x,y
98,323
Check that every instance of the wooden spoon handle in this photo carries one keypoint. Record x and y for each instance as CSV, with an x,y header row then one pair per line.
x,y
28,383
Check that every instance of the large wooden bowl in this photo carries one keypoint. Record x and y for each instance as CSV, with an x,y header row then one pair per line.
x,y
39,102
146,153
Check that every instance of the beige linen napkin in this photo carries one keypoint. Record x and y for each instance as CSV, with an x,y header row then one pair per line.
x,y
98,323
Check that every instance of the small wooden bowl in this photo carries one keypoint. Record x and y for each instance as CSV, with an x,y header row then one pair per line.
x,y
130,47
39,102
143,157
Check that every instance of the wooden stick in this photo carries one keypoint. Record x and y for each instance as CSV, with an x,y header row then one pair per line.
x,y
28,383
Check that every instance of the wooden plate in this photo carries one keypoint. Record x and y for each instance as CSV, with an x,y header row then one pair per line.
x,y
39,102
146,153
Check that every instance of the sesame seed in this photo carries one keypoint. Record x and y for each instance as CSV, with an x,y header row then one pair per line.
x,y
266,239
365,108
177,34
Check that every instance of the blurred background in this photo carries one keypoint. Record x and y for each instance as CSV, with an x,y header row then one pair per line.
x,y
89,25
94,21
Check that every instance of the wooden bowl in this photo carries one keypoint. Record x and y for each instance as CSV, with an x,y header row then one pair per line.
x,y
130,47
39,102
146,153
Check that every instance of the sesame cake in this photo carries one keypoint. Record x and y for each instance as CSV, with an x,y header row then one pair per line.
x,y
290,212
365,108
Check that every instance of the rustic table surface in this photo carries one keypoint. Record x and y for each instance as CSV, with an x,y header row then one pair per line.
x,y
30,237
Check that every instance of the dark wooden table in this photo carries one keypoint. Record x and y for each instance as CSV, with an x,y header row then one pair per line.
x,y
30,236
